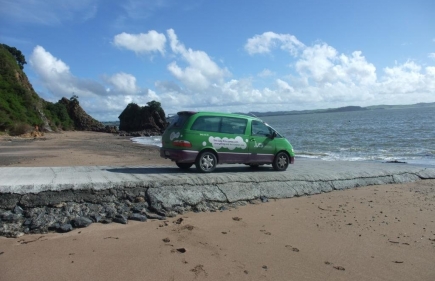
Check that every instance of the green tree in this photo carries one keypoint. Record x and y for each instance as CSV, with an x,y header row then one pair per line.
x,y
74,99
19,57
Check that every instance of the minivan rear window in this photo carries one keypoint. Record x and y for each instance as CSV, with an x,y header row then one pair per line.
x,y
178,120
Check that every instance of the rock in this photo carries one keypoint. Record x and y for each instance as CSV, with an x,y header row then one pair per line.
x,y
65,228
137,217
10,217
223,208
95,217
82,120
120,219
81,222
18,210
264,199
155,217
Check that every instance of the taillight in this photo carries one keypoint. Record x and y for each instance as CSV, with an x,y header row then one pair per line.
x,y
181,143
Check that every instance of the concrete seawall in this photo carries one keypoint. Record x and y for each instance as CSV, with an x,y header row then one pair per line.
x,y
37,200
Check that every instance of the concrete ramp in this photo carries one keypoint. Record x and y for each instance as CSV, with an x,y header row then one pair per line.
x,y
37,200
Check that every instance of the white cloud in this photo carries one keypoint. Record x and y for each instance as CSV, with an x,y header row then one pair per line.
x,y
265,73
141,43
123,82
322,64
265,42
407,79
432,56
201,71
57,78
48,12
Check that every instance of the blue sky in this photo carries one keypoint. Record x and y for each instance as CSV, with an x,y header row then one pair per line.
x,y
225,55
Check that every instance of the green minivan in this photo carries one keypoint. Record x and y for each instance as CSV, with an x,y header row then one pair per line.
x,y
210,138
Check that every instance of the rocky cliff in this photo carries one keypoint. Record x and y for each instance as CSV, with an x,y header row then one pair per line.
x,y
82,120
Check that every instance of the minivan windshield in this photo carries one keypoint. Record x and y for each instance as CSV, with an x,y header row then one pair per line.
x,y
277,134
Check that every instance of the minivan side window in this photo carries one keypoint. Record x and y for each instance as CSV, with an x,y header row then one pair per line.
x,y
228,125
206,123
260,129
232,125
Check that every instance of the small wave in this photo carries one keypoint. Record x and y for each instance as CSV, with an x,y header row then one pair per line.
x,y
155,140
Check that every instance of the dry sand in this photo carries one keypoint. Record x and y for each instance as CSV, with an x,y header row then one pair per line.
x,y
370,233
76,149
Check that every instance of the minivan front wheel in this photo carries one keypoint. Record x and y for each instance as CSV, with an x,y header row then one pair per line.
x,y
281,161
206,162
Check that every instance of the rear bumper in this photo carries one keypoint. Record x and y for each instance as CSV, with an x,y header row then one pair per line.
x,y
179,155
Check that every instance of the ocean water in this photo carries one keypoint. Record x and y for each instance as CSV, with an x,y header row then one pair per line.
x,y
406,135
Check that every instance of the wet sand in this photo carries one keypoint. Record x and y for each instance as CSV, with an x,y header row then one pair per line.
x,y
370,233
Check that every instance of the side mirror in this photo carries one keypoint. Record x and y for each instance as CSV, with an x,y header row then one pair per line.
x,y
273,135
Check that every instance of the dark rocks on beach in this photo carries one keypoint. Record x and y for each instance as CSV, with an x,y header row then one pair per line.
x,y
63,211
65,228
137,217
154,216
120,219
81,222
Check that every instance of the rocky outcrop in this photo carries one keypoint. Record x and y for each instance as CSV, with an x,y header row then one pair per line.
x,y
82,120
145,120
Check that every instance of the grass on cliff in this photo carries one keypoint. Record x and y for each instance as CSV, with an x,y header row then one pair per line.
x,y
20,105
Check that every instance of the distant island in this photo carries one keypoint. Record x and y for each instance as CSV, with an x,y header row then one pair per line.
x,y
340,109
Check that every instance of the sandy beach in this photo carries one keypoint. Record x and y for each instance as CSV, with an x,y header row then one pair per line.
x,y
384,232
76,149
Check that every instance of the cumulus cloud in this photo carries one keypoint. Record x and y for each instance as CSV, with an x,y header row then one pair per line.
x,y
123,82
141,43
55,75
323,64
265,42
201,71
48,12
408,78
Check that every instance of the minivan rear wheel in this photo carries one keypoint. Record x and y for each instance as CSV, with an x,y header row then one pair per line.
x,y
184,166
206,162
281,161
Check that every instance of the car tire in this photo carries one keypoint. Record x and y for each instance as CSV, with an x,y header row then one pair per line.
x,y
184,166
281,161
206,162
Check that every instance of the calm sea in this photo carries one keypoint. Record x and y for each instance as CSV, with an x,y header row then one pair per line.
x,y
406,135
